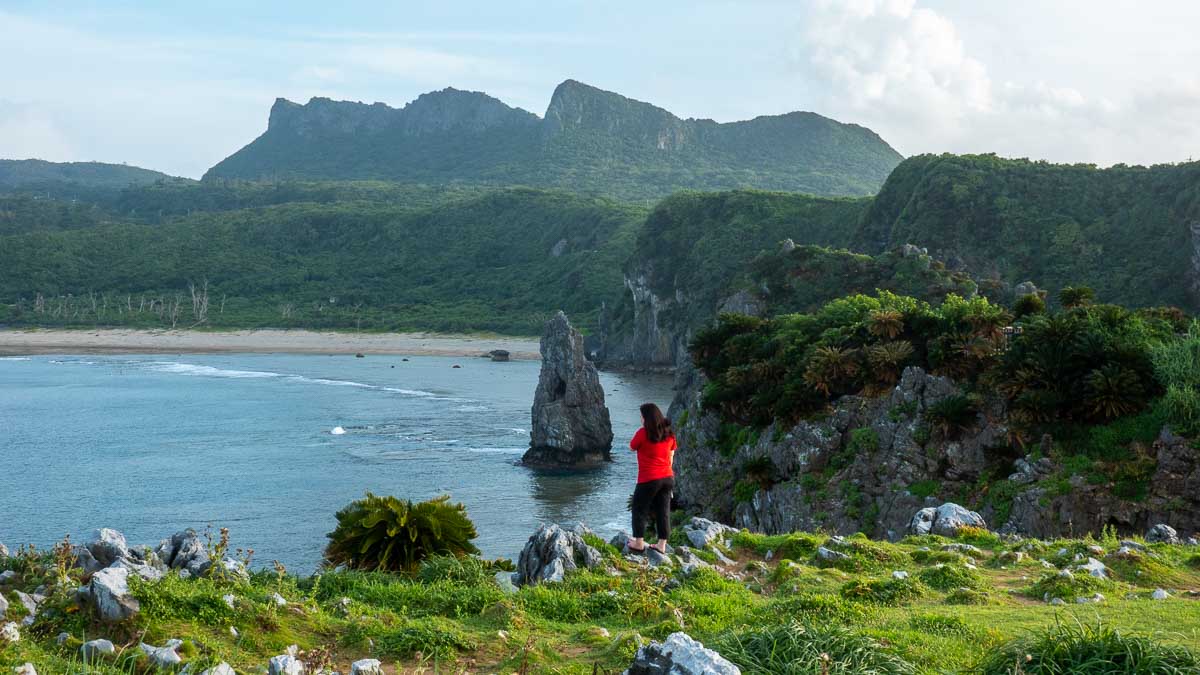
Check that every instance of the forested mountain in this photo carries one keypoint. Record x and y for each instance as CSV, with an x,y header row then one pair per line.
x,y
35,173
499,260
589,141
1128,232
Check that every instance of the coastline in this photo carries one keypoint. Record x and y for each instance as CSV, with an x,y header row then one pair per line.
x,y
28,342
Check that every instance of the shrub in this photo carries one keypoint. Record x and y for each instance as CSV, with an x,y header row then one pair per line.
x,y
390,534
1076,296
796,647
952,415
892,592
938,624
744,490
823,607
1055,585
1030,304
924,488
968,596
1088,649
433,637
950,577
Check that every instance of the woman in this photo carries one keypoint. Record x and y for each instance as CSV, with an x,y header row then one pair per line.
x,y
654,444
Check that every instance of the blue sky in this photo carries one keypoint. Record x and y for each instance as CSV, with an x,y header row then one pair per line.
x,y
177,86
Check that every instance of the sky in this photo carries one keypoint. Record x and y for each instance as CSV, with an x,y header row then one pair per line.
x,y
177,86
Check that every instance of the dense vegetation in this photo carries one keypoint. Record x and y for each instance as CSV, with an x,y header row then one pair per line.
x,y
774,607
387,534
1124,231
38,174
590,141
369,256
1083,365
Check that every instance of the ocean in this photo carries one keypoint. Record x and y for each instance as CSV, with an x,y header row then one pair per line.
x,y
152,444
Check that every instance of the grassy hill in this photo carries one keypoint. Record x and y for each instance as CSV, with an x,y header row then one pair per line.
x,y
589,141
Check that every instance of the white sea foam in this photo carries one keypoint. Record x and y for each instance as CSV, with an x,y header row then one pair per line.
x,y
516,430
209,371
337,431
497,451
14,358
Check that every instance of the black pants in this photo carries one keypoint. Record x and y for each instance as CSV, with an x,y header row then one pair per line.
x,y
653,495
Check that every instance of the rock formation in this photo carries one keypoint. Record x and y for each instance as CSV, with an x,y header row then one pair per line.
x,y
570,423
872,463
679,654
553,551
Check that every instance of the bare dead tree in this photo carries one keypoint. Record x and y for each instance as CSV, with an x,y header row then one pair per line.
x,y
173,310
39,305
286,309
199,300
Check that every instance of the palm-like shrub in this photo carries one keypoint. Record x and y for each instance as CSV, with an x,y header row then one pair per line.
x,y
888,360
393,535
1076,296
886,323
1080,648
1114,391
1028,305
831,368
952,415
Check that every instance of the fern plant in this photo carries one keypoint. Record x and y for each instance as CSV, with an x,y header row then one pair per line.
x,y
387,534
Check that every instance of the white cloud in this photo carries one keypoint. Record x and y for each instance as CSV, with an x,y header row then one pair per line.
x,y
906,71
28,132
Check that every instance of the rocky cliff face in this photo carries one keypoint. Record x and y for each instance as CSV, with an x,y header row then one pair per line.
x,y
873,462
570,423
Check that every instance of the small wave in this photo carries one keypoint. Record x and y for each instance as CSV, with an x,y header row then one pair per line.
x,y
517,430
209,371
497,451
452,441
471,408
15,358
337,431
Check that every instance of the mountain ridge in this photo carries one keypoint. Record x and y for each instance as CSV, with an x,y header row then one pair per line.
x,y
590,140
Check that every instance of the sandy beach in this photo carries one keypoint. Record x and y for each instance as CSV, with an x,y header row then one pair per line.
x,y
126,341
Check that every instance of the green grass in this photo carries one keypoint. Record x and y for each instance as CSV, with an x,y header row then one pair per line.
x,y
766,616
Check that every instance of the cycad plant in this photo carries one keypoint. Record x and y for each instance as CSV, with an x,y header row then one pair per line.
x,y
394,535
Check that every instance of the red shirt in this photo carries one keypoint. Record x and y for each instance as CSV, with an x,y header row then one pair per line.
x,y
654,459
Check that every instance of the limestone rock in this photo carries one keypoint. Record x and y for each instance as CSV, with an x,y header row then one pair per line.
x,y
366,667
701,532
946,520
10,633
7,577
830,555
162,657
1094,567
3,551
1162,534
3,605
553,551
221,668
108,546
184,551
570,423
285,664
679,654
94,648
25,669
1159,594
110,594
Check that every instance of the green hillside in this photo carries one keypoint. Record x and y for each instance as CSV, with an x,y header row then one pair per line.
x,y
589,141
1125,231
38,174
493,260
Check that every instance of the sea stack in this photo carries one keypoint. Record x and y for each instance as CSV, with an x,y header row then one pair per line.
x,y
571,427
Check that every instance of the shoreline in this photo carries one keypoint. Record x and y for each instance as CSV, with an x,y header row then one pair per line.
x,y
33,342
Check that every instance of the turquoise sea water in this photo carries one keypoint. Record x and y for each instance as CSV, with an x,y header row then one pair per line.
x,y
152,444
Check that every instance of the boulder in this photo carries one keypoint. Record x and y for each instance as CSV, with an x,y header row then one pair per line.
x,y
946,520
1162,534
570,424
3,551
499,355
110,595
184,551
830,555
10,633
366,667
679,654
553,551
701,532
221,668
1159,594
3,605
1094,567
25,669
163,657
7,577
95,648
107,546
285,665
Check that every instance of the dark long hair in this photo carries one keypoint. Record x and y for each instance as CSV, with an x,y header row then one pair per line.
x,y
658,427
